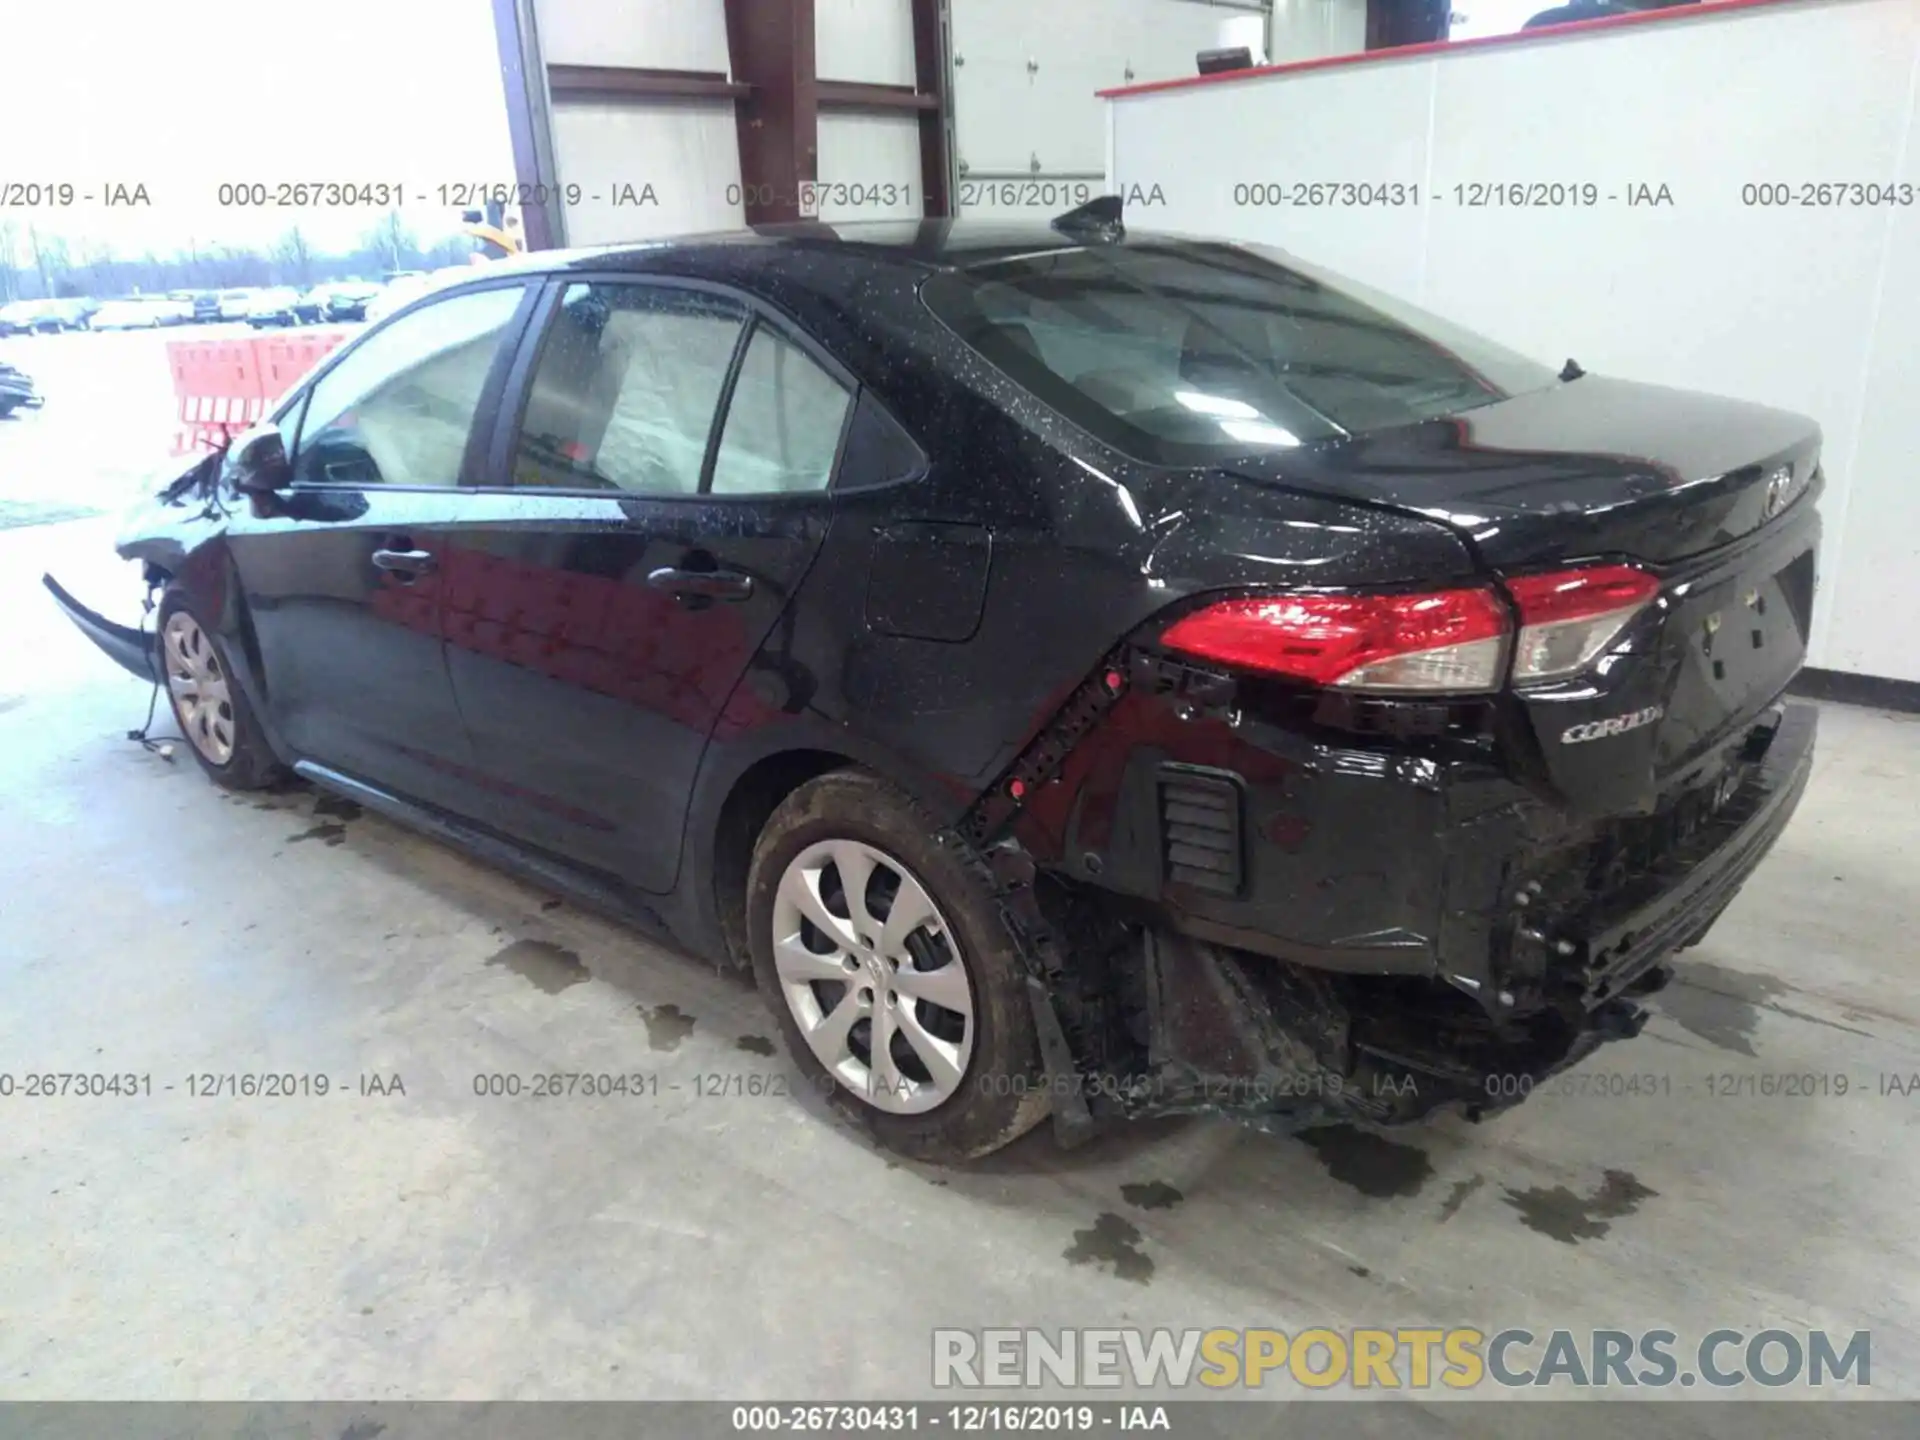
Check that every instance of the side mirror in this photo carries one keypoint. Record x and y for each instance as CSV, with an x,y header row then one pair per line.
x,y
257,462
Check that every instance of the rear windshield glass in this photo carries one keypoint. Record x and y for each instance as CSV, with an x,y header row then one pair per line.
x,y
1187,353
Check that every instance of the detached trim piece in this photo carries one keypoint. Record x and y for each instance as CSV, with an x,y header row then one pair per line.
x,y
132,650
1847,688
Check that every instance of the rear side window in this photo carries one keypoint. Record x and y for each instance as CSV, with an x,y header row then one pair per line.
x,y
398,407
783,422
626,389
1187,353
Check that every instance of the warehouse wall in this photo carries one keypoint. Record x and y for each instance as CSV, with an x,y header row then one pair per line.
x,y
686,150
869,162
1310,29
1813,308
1029,131
1031,139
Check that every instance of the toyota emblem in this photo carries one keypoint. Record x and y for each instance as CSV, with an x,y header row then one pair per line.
x,y
1778,484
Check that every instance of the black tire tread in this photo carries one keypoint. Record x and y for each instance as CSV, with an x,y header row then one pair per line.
x,y
979,1120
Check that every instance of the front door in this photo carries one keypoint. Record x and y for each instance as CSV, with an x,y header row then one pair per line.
x,y
657,504
343,580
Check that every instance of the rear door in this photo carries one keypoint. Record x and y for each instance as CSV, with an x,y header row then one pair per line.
x,y
343,578
654,499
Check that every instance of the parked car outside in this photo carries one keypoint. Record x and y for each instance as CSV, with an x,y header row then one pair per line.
x,y
17,391
64,313
1073,672
278,306
348,299
139,314
234,304
21,317
126,315
310,305
204,305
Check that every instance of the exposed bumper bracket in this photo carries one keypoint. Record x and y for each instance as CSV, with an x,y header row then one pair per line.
x,y
133,650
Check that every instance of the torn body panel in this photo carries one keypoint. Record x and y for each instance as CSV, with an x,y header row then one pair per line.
x,y
132,650
1288,908
161,534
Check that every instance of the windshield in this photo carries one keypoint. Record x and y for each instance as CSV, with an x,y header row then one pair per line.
x,y
1189,352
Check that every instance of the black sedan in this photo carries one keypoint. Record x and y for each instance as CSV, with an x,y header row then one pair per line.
x,y
17,391
1077,673
348,300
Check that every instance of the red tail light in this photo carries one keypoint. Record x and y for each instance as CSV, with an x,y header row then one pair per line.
x,y
1439,640
1568,618
1433,642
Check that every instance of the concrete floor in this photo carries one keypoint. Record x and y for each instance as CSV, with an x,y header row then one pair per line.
x,y
441,1245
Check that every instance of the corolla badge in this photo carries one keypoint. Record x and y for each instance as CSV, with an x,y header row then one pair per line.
x,y
1613,725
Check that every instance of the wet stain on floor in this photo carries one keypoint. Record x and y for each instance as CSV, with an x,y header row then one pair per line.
x,y
1457,1196
1112,1243
1719,1005
667,1026
336,807
1570,1218
1723,1006
328,830
1371,1164
755,1044
550,967
1151,1195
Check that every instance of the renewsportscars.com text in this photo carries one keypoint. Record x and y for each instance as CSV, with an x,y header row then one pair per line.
x,y
1413,1358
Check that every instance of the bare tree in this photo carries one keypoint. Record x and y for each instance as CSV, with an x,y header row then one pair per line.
x,y
393,242
51,260
9,286
293,258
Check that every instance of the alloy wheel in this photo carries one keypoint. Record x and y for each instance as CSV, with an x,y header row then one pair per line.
x,y
873,976
198,684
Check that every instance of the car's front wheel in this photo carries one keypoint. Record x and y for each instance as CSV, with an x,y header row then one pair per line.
x,y
208,703
881,954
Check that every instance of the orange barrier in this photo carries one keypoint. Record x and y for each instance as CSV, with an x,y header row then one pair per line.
x,y
224,386
284,358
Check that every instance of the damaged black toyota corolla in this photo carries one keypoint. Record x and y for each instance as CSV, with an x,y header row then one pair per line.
x,y
1077,672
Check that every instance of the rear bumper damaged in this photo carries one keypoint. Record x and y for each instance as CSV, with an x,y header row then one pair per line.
x,y
132,650
1571,938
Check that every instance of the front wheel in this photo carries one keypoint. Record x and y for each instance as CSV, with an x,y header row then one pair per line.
x,y
208,703
881,954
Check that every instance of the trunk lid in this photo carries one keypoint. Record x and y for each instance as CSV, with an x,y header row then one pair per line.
x,y
1594,466
1714,496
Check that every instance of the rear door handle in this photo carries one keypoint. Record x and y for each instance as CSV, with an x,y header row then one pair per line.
x,y
404,562
703,584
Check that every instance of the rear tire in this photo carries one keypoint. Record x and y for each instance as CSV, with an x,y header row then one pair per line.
x,y
208,704
916,959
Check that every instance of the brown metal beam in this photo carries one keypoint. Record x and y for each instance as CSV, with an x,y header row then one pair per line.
x,y
936,121
634,82
771,44
856,95
528,129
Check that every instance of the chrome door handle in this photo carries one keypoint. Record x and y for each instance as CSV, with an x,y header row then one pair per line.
x,y
404,562
703,584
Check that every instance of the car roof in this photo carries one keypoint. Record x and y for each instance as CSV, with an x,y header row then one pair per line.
x,y
929,244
